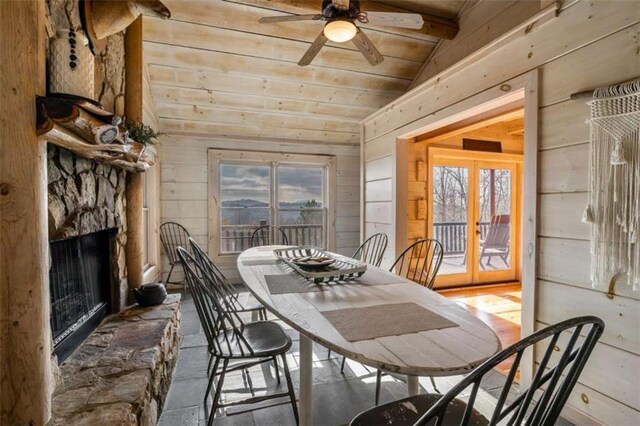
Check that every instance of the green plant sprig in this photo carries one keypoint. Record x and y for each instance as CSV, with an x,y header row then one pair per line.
x,y
140,132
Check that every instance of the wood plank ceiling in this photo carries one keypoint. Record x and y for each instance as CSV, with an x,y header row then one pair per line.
x,y
216,72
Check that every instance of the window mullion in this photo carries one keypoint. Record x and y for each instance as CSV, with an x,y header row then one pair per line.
x,y
274,194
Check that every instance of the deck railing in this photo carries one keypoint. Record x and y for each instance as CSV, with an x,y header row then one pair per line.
x,y
236,238
453,235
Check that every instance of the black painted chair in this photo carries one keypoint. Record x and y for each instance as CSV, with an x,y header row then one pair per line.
x,y
172,236
372,250
267,235
231,339
238,302
420,262
556,373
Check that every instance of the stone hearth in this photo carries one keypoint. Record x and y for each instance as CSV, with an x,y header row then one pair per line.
x,y
121,374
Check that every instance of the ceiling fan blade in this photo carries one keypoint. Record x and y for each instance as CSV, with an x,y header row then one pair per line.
x,y
341,4
399,20
271,19
367,48
313,50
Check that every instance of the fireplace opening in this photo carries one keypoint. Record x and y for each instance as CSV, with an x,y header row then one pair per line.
x,y
80,287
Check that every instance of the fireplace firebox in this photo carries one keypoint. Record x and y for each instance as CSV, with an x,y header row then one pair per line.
x,y
80,287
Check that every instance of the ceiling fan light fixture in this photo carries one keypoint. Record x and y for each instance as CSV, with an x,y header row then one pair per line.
x,y
340,30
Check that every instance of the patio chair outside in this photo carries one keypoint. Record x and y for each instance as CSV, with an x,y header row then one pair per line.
x,y
231,339
553,380
267,235
496,242
172,236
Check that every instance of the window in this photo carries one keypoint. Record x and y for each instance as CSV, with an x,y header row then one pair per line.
x,y
151,222
145,221
254,189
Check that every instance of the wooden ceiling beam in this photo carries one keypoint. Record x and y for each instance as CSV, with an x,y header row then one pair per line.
x,y
434,26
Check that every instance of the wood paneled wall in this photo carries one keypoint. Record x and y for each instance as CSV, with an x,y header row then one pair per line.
x,y
590,44
184,189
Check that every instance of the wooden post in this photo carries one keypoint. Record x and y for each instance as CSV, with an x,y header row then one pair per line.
x,y
25,336
135,183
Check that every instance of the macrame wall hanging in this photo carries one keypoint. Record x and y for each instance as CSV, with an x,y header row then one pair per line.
x,y
613,207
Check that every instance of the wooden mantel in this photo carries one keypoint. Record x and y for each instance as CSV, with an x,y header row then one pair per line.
x,y
70,126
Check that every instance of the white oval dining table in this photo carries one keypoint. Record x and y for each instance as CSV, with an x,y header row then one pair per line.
x,y
444,352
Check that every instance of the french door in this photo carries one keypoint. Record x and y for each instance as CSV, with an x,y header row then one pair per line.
x,y
473,200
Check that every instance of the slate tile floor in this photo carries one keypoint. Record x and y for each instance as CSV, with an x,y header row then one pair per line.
x,y
337,397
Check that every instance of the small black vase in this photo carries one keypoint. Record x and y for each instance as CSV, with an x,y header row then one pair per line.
x,y
150,294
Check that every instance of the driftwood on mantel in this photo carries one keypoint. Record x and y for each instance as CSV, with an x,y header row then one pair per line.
x,y
62,123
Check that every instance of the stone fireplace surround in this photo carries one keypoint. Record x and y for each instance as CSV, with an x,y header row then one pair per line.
x,y
86,197
121,373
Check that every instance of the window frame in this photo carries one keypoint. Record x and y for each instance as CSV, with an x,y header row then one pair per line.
x,y
217,156
151,204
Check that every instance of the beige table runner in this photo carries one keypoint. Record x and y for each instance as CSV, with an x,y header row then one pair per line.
x,y
355,324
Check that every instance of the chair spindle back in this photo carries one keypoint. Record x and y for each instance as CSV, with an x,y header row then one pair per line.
x,y
372,250
420,262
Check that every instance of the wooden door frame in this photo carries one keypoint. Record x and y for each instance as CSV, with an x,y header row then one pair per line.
x,y
521,90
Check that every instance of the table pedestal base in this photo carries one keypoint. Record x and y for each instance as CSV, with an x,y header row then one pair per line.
x,y
413,385
306,381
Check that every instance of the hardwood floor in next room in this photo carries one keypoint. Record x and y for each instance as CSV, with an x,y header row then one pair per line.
x,y
499,306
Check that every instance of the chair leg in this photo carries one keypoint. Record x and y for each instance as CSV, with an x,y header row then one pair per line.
x,y
169,276
378,383
328,353
216,397
275,362
292,395
433,383
344,358
212,377
210,363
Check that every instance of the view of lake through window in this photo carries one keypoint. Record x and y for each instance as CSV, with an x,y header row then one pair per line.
x,y
290,196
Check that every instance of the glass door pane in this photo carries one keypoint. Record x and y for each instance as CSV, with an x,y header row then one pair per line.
x,y
494,219
450,213
301,204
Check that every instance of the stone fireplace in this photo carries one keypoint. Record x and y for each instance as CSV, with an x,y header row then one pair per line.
x,y
86,203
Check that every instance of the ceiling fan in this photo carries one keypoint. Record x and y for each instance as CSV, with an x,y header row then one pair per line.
x,y
341,17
